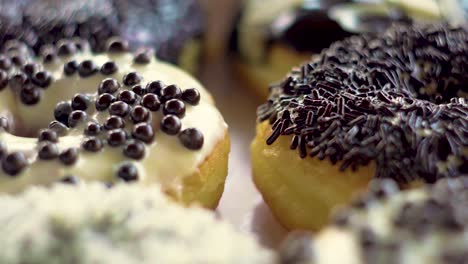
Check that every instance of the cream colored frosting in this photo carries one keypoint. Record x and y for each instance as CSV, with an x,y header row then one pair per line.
x,y
167,161
92,224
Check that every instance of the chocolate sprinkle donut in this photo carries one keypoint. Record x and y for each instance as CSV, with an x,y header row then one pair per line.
x,y
399,99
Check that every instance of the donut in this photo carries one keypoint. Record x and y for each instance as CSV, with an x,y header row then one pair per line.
x,y
389,106
92,224
111,117
271,37
426,225
151,23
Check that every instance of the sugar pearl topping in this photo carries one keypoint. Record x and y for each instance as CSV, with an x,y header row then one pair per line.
x,y
117,125
398,99
386,226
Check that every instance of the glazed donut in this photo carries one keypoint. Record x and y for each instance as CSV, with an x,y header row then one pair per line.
x,y
427,225
392,106
271,37
153,23
118,117
91,224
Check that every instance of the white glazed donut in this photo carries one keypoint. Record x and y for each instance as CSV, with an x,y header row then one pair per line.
x,y
116,120
91,224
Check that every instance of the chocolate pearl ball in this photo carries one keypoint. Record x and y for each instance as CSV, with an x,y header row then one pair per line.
x,y
139,90
66,49
4,124
3,79
191,96
171,124
47,135
5,63
87,68
170,92
80,102
127,172
17,81
14,163
143,57
92,144
119,108
58,128
70,67
76,117
62,112
131,78
108,85
109,68
49,56
80,44
92,129
48,151
117,45
116,137
143,132
127,96
114,122
139,114
151,102
69,156
134,150
104,101
17,59
174,107
30,68
30,95
42,79
155,87
191,138
70,180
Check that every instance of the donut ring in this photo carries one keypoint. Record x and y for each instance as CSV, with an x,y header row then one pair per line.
x,y
115,120
392,106
426,225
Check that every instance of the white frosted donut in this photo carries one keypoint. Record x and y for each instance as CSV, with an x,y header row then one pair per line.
x,y
124,141
424,225
91,224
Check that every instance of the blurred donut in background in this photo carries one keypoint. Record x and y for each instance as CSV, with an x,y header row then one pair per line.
x,y
270,37
174,28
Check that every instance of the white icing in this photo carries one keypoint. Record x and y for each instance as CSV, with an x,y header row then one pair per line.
x,y
91,224
166,160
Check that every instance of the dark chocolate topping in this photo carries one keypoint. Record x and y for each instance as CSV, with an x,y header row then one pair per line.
x,y
398,99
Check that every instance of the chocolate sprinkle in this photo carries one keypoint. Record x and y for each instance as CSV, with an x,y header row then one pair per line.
x,y
109,68
69,156
108,85
151,101
127,172
191,138
48,151
48,135
14,163
398,99
134,150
